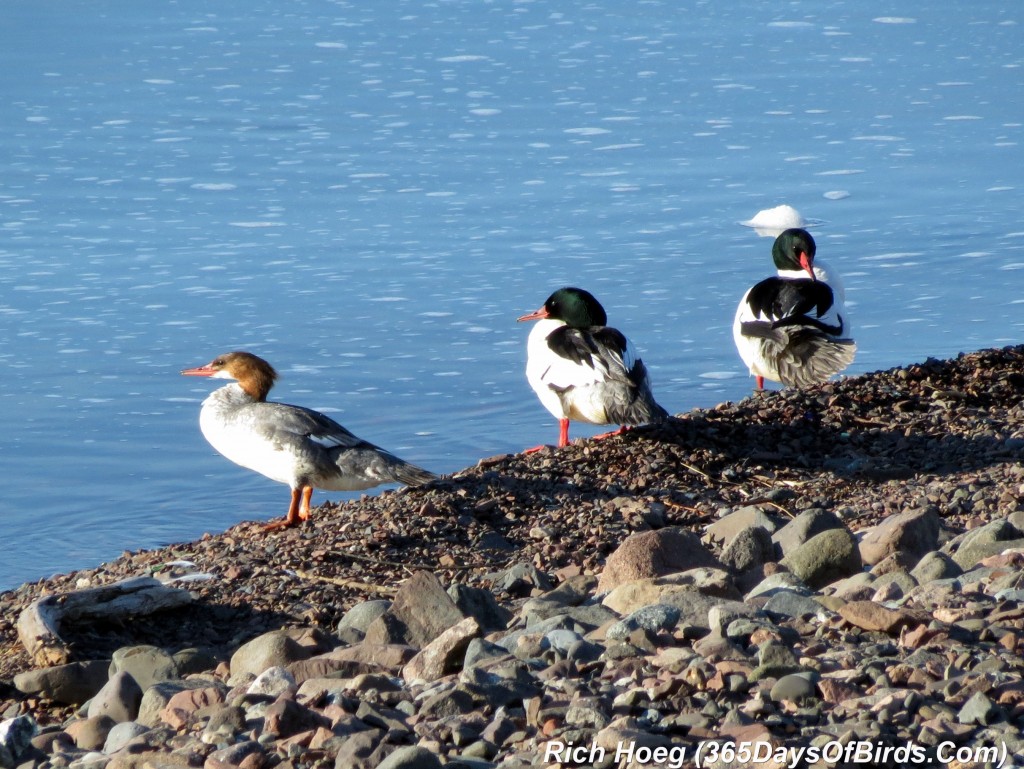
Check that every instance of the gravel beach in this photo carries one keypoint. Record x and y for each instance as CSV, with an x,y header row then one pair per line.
x,y
826,577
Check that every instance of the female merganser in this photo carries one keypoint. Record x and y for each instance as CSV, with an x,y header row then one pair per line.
x,y
583,370
792,328
289,444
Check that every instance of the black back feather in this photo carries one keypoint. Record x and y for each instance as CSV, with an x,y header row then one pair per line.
x,y
779,298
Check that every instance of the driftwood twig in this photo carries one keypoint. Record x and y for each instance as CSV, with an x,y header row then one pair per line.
x,y
39,625
350,583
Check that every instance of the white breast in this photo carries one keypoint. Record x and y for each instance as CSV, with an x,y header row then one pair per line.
x,y
238,440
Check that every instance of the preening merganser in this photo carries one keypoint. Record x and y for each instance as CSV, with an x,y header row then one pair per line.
x,y
582,370
289,444
792,328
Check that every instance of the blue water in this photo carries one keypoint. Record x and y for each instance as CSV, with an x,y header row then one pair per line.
x,y
369,194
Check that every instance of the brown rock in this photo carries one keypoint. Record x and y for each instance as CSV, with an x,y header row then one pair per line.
x,y
424,608
286,718
90,733
654,554
389,657
444,654
914,533
837,691
182,706
326,666
869,615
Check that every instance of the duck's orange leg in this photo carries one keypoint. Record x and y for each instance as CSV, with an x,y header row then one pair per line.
x,y
620,431
563,437
760,382
563,432
307,493
294,513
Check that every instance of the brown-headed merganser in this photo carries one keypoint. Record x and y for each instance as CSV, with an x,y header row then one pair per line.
x,y
792,328
290,444
583,370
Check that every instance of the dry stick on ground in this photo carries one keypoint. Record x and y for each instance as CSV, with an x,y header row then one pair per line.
x,y
409,566
350,583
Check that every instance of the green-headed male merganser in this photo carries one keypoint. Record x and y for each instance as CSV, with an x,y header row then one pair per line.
x,y
583,370
792,328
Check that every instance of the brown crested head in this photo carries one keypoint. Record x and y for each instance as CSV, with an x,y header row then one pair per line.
x,y
253,374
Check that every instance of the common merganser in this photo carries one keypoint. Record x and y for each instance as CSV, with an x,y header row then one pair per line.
x,y
289,444
583,370
792,328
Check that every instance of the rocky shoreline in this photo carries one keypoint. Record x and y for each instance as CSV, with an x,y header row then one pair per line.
x,y
829,577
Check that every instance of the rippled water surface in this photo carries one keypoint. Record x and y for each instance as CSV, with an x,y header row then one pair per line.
x,y
368,195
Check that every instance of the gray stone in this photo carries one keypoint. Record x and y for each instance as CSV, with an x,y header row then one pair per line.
x,y
694,608
990,539
724,613
362,614
121,734
156,697
980,710
381,717
71,684
510,641
274,649
234,755
500,682
362,750
914,532
725,529
386,629
742,628
589,615
999,530
500,728
481,605
423,606
573,591
713,583
192,660
825,558
562,639
273,682
224,724
893,585
749,549
776,655
655,618
858,587
480,650
793,687
804,527
411,757
447,703
781,582
654,554
16,740
938,592
519,579
119,698
787,603
935,565
146,664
